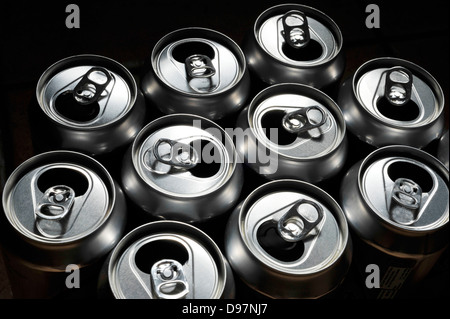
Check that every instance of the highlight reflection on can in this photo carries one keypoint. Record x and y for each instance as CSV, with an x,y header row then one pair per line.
x,y
166,260
87,103
61,208
182,167
298,130
197,71
292,43
390,101
396,203
289,239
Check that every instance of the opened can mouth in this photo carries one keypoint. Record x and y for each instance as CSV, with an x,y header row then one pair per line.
x,y
298,36
46,198
294,235
86,92
198,62
405,188
184,155
398,93
168,260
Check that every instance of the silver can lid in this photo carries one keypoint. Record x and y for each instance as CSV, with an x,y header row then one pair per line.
x,y
406,192
167,260
58,198
298,35
309,124
293,228
398,93
197,61
184,156
86,91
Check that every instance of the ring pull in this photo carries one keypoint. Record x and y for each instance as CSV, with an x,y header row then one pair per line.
x,y
295,29
168,280
406,198
56,203
180,155
398,85
293,226
91,86
299,121
199,66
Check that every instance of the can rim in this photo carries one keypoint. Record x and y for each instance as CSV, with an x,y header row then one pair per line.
x,y
336,29
407,150
241,59
316,93
141,135
343,225
172,224
133,90
424,74
18,173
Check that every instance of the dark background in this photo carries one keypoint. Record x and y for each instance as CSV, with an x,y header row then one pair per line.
x,y
34,36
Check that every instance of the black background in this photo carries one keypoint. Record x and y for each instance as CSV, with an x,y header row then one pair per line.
x,y
34,36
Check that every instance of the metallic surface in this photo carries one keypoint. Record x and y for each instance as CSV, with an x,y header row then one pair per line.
x,y
327,252
316,153
415,241
121,106
43,247
263,49
360,97
172,192
201,270
213,86
443,149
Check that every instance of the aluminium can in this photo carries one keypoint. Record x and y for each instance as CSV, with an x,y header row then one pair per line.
x,y
289,239
293,131
390,101
443,149
182,167
293,43
396,203
60,209
197,71
166,260
89,104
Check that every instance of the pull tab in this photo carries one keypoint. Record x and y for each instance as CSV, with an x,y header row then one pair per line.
x,y
295,29
406,197
56,203
299,121
293,226
92,85
180,155
398,86
168,280
199,66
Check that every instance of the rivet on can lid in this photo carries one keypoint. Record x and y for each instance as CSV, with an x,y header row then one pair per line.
x,y
293,226
168,280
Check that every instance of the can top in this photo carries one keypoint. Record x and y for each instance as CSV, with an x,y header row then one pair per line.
x,y
309,124
198,62
293,227
406,190
58,198
398,93
167,260
184,155
86,92
298,35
